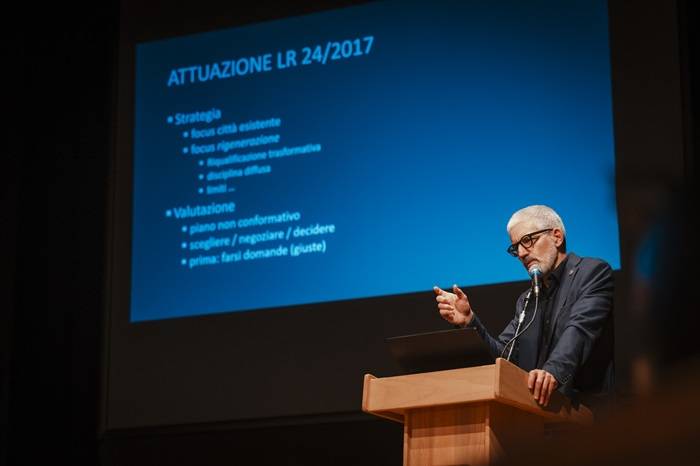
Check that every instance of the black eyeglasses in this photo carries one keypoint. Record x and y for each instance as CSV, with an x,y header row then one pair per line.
x,y
527,241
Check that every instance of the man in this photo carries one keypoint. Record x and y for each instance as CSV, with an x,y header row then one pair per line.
x,y
566,335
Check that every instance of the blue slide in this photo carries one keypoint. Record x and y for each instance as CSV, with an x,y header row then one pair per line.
x,y
367,151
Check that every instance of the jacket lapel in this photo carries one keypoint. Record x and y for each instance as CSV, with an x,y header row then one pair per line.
x,y
568,276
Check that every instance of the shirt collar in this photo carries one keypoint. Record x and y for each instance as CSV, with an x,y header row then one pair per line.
x,y
554,278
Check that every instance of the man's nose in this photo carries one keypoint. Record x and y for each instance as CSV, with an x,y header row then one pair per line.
x,y
522,251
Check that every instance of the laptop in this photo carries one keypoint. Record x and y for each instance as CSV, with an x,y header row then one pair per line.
x,y
440,350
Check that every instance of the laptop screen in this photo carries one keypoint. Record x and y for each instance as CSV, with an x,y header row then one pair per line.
x,y
440,350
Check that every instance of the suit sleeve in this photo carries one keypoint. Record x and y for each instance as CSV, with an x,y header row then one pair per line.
x,y
587,317
495,345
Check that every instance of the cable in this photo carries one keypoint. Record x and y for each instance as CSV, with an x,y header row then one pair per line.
x,y
520,320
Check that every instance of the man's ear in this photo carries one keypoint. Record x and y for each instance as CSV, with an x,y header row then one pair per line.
x,y
558,236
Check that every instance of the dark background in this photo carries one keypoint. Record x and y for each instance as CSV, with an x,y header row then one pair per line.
x,y
56,192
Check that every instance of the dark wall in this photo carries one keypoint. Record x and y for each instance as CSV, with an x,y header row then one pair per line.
x,y
57,204
54,198
653,149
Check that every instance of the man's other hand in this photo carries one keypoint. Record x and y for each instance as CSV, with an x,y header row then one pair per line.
x,y
542,384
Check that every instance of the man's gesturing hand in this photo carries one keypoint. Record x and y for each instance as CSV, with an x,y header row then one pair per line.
x,y
541,383
454,307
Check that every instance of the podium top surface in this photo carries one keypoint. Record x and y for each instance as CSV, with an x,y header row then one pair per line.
x,y
502,382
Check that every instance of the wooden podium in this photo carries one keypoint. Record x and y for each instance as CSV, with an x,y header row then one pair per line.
x,y
476,415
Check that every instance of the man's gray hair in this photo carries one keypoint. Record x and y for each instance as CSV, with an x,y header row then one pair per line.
x,y
541,215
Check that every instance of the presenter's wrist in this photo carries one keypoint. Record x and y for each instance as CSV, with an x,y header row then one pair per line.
x,y
469,320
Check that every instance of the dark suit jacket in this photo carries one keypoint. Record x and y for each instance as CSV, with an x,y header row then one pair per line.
x,y
578,351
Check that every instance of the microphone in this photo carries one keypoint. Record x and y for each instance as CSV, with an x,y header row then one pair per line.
x,y
535,274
